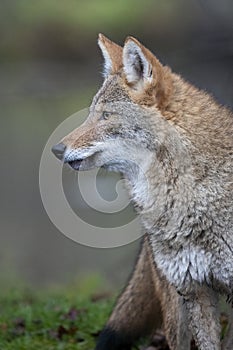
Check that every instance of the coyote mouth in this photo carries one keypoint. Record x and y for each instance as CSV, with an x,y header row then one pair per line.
x,y
75,164
85,163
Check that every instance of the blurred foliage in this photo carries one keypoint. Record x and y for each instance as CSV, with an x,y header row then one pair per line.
x,y
51,29
50,67
46,28
87,14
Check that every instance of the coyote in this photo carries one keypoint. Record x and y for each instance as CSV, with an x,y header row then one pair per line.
x,y
174,146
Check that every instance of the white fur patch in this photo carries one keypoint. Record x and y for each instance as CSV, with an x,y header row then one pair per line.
x,y
187,264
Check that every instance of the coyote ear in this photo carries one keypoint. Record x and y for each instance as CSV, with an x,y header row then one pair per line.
x,y
150,82
112,54
137,63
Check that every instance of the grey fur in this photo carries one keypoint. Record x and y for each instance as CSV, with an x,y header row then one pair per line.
x,y
179,175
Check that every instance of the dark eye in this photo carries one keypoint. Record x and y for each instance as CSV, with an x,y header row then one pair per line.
x,y
105,115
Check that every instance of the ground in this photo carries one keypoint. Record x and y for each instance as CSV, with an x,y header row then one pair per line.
x,y
67,318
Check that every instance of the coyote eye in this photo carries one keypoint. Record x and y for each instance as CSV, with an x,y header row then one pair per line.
x,y
105,115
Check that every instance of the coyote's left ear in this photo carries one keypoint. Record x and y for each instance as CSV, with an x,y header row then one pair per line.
x,y
112,54
149,81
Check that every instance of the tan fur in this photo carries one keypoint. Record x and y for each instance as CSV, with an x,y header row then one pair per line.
x,y
158,92
173,144
160,308
114,51
141,283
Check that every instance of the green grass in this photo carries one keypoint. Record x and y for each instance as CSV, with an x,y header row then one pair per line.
x,y
68,318
60,319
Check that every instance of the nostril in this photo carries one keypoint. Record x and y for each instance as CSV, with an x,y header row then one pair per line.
x,y
59,150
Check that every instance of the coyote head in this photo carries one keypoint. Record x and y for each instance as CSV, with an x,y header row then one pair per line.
x,y
125,118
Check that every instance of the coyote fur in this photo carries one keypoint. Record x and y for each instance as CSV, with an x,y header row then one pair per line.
x,y
173,144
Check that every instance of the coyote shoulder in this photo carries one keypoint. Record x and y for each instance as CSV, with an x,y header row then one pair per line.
x,y
173,143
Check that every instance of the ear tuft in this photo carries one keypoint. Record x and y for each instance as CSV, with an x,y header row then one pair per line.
x,y
112,54
137,67
101,36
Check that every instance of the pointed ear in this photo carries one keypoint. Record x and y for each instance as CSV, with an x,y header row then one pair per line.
x,y
150,83
112,54
137,63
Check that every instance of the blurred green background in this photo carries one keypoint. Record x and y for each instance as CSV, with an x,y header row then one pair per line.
x,y
50,67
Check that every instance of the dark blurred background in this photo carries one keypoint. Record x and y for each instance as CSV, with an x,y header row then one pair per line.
x,y
50,67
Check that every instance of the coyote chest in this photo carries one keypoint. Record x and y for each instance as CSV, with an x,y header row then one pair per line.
x,y
185,266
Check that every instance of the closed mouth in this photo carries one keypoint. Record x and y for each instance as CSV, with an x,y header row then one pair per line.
x,y
75,164
82,163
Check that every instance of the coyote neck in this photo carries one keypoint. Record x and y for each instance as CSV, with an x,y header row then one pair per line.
x,y
163,194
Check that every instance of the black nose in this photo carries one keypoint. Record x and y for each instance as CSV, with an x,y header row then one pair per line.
x,y
59,150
